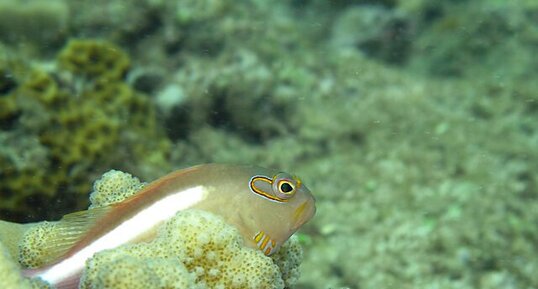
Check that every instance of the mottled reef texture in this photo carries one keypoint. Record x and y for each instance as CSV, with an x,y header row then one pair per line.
x,y
415,122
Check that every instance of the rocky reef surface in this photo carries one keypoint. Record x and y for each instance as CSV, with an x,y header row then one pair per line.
x,y
414,122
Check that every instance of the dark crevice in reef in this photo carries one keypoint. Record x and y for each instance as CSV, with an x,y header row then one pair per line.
x,y
7,83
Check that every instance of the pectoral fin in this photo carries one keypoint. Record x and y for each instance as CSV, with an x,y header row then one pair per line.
x,y
265,243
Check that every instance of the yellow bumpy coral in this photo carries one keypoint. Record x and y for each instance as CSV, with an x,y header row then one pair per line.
x,y
31,253
10,276
114,186
195,249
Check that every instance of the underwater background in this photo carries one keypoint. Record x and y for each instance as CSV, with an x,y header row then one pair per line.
x,y
415,123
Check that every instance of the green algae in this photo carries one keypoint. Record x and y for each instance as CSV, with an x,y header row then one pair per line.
x,y
64,128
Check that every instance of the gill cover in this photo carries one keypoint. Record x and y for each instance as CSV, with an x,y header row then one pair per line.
x,y
280,188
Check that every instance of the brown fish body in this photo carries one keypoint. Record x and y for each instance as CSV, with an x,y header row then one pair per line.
x,y
220,189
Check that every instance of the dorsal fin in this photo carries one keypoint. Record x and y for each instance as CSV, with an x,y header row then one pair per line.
x,y
46,242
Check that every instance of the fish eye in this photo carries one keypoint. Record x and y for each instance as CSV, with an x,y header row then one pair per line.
x,y
280,188
285,187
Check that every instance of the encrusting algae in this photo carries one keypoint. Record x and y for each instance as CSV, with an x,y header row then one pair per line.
x,y
48,115
196,248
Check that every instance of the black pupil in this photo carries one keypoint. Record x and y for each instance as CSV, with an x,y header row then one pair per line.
x,y
286,187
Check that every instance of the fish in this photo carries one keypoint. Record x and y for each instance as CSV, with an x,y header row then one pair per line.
x,y
266,206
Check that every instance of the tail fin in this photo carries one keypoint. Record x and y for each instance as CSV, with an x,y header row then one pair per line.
x,y
11,235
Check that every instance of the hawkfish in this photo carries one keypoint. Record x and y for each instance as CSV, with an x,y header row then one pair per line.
x,y
266,206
